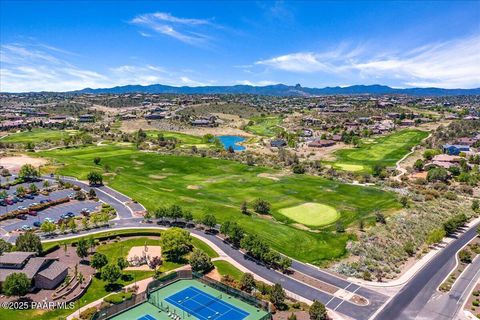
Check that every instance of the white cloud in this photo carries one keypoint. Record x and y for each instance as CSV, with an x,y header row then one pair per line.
x,y
25,69
183,29
451,64
256,83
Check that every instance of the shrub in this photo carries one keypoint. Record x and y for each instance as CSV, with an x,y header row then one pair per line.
x,y
88,314
465,256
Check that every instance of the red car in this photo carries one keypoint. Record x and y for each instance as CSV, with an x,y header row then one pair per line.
x,y
32,213
9,202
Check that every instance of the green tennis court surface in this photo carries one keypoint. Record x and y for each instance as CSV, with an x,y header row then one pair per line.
x,y
191,300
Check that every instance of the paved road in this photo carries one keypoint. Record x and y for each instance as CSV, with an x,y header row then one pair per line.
x,y
106,195
416,294
345,307
446,306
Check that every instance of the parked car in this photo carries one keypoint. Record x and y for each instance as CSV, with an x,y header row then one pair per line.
x,y
9,202
48,219
17,199
21,208
37,224
67,215
33,204
26,227
29,196
32,213
22,217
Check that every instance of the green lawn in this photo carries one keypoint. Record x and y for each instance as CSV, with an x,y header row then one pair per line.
x,y
96,290
38,135
386,150
312,214
224,267
206,185
265,126
185,140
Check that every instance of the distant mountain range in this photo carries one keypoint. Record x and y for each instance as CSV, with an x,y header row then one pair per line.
x,y
281,90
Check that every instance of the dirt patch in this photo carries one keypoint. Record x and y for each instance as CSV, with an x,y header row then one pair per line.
x,y
135,125
138,257
156,177
194,187
214,275
14,163
303,227
272,176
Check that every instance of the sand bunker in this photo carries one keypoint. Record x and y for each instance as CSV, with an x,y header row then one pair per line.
x,y
194,187
156,177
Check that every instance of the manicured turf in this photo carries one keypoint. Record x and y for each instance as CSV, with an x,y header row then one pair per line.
x,y
185,140
385,150
226,268
265,126
220,188
312,214
38,135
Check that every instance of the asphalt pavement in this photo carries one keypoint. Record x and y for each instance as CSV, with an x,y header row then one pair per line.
x,y
422,288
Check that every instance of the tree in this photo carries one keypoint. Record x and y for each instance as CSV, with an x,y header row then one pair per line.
x,y
33,188
94,178
317,311
380,218
72,225
209,221
98,261
122,263
475,205
85,223
465,256
5,246
418,165
82,248
187,215
235,234
277,295
298,169
261,206
48,227
247,282
339,227
200,261
92,193
244,207
404,201
175,212
29,242
28,172
97,160
436,236
284,263
111,273
437,174
16,284
91,243
175,242
378,170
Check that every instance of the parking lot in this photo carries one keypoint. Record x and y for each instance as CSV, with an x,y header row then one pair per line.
x,y
54,213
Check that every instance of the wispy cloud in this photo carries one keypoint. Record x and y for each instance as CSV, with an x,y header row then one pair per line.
x,y
187,30
450,64
26,68
256,83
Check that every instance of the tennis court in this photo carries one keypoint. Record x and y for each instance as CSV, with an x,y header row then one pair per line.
x,y
191,300
205,306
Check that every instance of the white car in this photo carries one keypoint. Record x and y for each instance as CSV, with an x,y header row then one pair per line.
x,y
33,204
21,208
48,219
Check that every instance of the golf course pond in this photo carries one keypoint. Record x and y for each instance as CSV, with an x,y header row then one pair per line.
x,y
231,141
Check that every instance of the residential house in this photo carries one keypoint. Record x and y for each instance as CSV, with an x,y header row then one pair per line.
x,y
45,273
455,149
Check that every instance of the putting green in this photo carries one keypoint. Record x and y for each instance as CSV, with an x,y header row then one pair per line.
x,y
349,167
312,214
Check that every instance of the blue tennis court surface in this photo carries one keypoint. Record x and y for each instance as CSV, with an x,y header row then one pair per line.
x,y
205,306
146,317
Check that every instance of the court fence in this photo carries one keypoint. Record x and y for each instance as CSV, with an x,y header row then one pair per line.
x,y
236,293
114,309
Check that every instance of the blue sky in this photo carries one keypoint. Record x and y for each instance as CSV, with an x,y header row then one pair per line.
x,y
71,45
